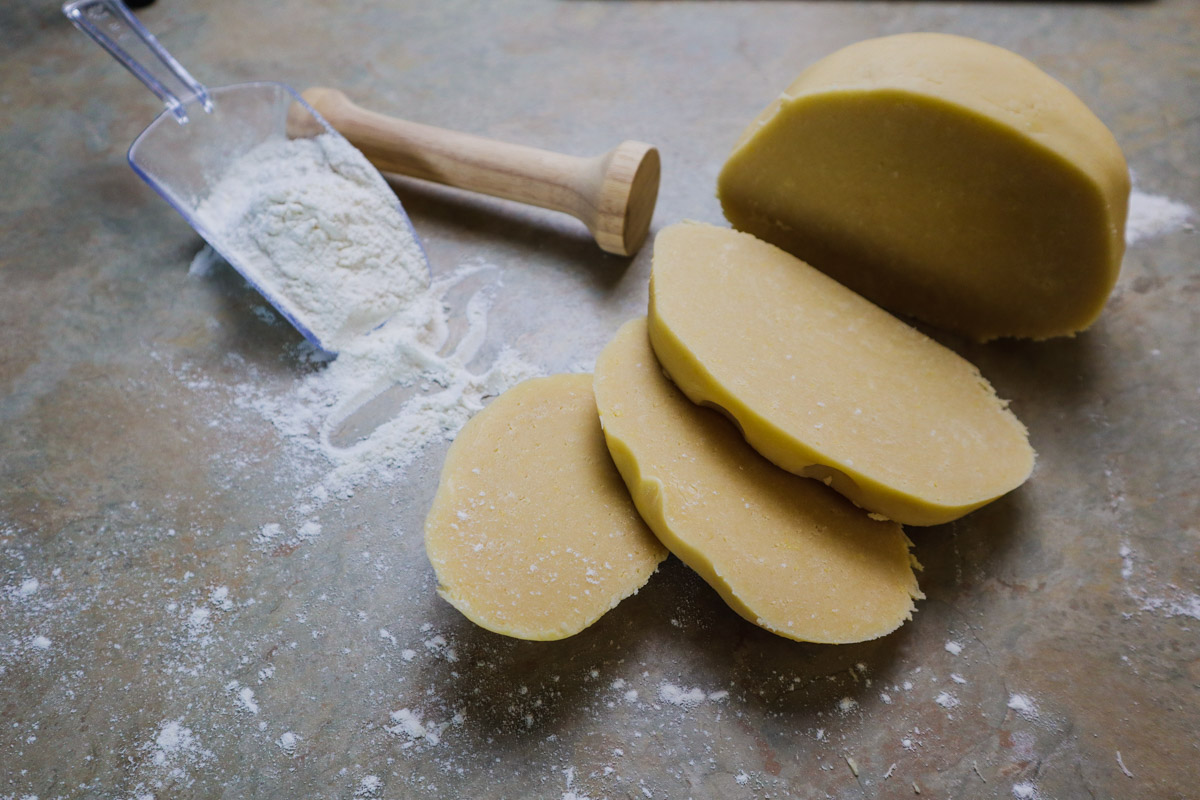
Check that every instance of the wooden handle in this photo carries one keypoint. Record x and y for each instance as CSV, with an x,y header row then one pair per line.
x,y
612,194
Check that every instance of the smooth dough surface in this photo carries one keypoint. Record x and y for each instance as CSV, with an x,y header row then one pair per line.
x,y
784,552
532,534
940,177
826,384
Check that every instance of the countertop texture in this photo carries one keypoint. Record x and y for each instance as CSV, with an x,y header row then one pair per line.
x,y
186,610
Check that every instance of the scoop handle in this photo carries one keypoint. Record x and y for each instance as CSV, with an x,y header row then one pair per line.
x,y
111,25
613,194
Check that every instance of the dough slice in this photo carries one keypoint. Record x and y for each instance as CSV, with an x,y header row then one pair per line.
x,y
826,384
532,534
784,552
940,177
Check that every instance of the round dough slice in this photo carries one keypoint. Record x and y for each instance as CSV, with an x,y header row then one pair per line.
x,y
532,534
784,552
826,384
940,177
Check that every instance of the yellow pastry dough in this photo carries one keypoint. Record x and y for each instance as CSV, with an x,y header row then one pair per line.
x,y
940,177
532,533
826,384
784,552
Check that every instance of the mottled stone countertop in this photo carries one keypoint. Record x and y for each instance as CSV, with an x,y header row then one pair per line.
x,y
181,616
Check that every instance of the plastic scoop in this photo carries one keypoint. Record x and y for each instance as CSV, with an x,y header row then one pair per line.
x,y
203,132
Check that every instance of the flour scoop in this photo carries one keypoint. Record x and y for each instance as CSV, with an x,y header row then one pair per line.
x,y
211,152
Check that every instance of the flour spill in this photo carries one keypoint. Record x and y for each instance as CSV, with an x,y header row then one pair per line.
x,y
414,356
1167,600
314,226
1024,706
1153,215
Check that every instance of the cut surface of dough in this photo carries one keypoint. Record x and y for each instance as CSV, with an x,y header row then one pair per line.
x,y
532,534
784,552
826,384
940,177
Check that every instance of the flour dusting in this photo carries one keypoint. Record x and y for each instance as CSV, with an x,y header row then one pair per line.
x,y
946,700
406,353
288,742
1167,600
687,698
1023,705
1152,215
1025,791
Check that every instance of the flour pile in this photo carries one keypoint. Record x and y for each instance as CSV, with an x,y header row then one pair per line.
x,y
313,225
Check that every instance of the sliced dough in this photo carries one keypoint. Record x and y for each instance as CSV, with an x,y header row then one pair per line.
x,y
826,384
532,533
784,552
940,177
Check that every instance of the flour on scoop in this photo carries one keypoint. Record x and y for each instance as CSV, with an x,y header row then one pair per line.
x,y
315,227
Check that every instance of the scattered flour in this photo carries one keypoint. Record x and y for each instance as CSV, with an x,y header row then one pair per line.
x,y
405,353
288,742
175,748
369,786
198,623
1152,215
408,723
1025,791
246,701
685,698
314,226
1024,706
1168,601
954,648
269,533
172,738
273,535
1182,604
946,700
219,597
688,698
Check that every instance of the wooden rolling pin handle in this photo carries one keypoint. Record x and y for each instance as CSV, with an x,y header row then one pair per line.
x,y
612,194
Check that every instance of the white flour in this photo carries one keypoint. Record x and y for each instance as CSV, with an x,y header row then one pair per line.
x,y
406,353
315,227
1152,215
1024,706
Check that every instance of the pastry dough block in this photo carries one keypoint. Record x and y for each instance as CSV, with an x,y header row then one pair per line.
x,y
784,552
532,534
943,178
826,384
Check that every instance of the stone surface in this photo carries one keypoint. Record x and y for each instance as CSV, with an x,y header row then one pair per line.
x,y
153,641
